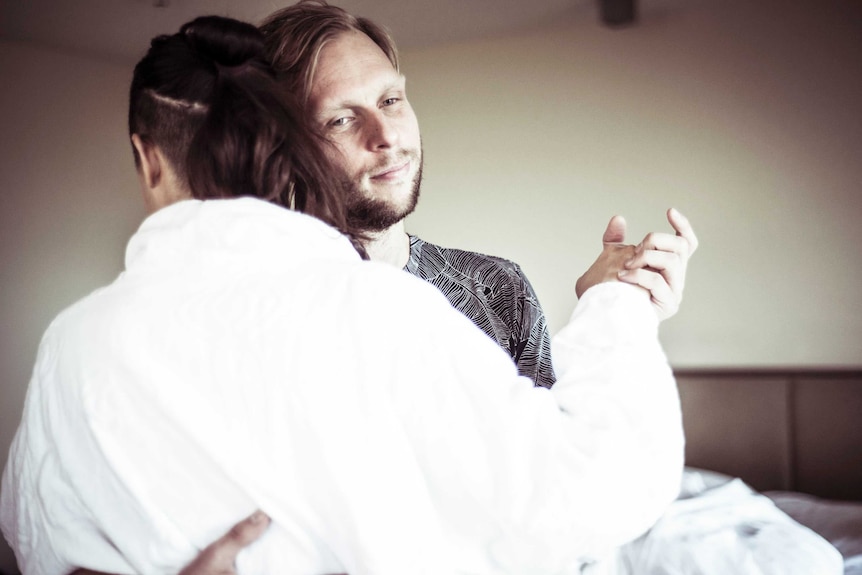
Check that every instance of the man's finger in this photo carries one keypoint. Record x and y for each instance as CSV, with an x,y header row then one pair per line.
x,y
658,261
615,233
244,533
220,556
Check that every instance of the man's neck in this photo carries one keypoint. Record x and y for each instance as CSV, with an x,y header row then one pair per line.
x,y
391,246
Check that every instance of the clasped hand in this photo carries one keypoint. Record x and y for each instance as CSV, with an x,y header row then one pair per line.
x,y
658,264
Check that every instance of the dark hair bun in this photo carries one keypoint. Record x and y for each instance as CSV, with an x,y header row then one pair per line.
x,y
225,41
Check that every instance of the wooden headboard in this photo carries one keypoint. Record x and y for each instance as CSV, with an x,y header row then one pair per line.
x,y
777,429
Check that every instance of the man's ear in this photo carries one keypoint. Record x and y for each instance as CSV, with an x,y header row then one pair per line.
x,y
151,164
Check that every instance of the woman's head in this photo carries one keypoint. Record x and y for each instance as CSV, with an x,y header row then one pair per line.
x,y
208,100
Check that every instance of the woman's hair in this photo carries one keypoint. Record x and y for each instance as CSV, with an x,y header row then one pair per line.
x,y
208,98
295,36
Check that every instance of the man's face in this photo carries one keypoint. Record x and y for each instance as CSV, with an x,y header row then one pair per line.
x,y
359,100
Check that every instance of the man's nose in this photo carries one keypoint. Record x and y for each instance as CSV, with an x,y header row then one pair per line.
x,y
382,131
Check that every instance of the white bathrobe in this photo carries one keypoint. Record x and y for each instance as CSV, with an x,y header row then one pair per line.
x,y
247,358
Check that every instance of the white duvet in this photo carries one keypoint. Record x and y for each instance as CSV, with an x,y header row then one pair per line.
x,y
720,526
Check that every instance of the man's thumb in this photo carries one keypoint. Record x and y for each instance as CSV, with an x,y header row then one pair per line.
x,y
616,231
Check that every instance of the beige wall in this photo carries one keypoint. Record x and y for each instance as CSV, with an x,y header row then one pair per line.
x,y
747,121
69,202
750,123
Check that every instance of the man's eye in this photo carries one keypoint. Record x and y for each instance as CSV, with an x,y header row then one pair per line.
x,y
390,101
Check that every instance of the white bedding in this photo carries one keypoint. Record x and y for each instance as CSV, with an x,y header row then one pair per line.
x,y
720,526
838,521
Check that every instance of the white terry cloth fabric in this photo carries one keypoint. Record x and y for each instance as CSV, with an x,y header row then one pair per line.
x,y
247,358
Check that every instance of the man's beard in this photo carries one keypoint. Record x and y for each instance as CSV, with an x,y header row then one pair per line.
x,y
371,214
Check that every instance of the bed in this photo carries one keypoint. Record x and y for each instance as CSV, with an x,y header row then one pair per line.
x,y
773,483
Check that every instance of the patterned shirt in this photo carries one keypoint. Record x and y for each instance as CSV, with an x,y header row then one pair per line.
x,y
496,295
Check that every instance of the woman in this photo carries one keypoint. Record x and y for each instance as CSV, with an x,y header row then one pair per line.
x,y
204,106
208,121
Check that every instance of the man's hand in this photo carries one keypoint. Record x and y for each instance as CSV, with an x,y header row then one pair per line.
x,y
658,264
611,261
219,557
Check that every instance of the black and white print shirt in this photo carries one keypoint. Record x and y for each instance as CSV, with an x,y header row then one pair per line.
x,y
496,295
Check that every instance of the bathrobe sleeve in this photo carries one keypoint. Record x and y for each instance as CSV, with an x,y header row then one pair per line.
x,y
532,480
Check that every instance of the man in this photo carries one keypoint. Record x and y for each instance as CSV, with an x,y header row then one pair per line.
x,y
346,71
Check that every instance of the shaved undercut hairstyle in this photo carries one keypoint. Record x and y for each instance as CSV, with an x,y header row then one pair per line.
x,y
208,98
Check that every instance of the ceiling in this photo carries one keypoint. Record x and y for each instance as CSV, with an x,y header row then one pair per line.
x,y
120,30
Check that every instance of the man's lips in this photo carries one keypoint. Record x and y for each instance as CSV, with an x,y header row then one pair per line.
x,y
392,173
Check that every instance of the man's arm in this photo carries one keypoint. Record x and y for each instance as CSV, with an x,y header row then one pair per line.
x,y
658,264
